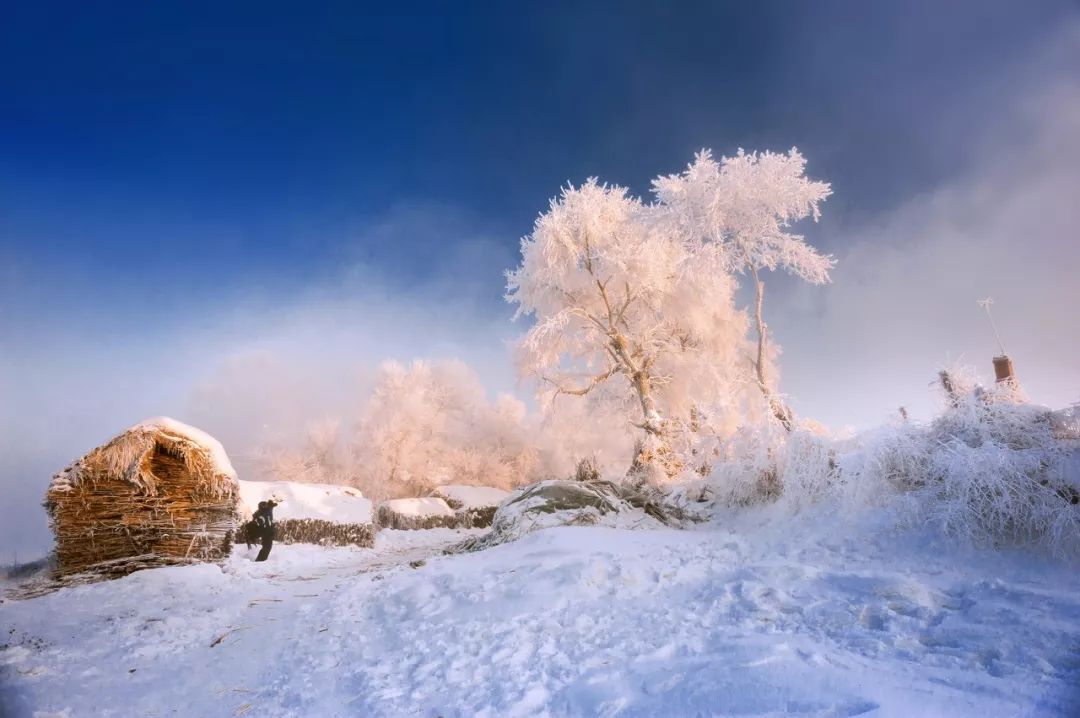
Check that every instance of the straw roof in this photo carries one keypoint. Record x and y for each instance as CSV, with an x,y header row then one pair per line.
x,y
161,492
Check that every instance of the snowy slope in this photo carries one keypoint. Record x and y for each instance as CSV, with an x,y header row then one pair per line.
x,y
762,617
328,502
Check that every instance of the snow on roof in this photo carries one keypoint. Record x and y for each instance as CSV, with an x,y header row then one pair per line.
x,y
122,454
329,502
430,506
222,465
473,497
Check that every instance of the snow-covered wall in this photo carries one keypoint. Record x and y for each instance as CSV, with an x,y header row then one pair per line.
x,y
472,497
339,504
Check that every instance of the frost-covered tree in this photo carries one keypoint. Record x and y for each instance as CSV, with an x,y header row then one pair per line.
x,y
430,423
423,424
742,208
322,459
627,315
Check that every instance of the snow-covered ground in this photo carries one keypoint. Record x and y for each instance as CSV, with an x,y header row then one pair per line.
x,y
762,617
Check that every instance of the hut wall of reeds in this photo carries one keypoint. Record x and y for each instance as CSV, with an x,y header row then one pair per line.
x,y
160,493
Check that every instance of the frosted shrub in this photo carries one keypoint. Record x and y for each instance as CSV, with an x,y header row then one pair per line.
x,y
745,471
766,463
996,473
991,469
807,468
882,461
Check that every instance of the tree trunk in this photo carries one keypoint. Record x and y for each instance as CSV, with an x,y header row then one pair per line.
x,y
779,409
654,460
643,385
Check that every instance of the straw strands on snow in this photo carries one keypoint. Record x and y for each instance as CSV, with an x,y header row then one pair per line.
x,y
158,494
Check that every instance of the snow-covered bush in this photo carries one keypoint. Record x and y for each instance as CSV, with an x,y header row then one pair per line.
x,y
409,514
992,469
996,472
766,462
474,506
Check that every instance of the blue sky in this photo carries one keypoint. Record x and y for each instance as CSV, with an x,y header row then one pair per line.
x,y
188,191
256,135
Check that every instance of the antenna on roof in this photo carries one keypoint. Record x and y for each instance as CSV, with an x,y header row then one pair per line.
x,y
1003,366
986,304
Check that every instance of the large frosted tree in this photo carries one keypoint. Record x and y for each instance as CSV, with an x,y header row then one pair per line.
x,y
626,314
740,211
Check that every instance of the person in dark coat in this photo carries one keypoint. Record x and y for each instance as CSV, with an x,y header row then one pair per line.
x,y
264,528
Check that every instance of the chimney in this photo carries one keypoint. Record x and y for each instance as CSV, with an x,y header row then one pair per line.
x,y
1003,369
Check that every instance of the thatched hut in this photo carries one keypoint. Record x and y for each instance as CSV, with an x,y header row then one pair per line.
x,y
160,493
324,514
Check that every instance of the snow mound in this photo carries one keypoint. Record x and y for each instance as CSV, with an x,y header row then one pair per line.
x,y
472,497
328,502
419,508
412,514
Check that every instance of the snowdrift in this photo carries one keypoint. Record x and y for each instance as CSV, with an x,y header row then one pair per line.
x,y
323,514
